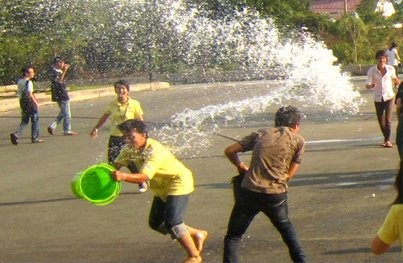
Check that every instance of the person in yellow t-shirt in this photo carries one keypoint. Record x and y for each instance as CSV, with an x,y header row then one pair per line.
x,y
392,228
170,180
119,110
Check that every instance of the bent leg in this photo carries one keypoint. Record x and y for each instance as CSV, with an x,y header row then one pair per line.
x,y
198,236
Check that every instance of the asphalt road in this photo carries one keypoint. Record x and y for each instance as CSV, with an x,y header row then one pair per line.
x,y
337,201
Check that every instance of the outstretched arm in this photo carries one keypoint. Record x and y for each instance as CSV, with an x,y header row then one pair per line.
x,y
101,121
129,177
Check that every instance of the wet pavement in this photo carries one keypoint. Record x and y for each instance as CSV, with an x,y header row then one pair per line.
x,y
337,201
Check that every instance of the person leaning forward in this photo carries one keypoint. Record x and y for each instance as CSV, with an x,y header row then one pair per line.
x,y
169,180
276,155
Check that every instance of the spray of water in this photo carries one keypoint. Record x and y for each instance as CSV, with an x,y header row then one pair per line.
x,y
298,70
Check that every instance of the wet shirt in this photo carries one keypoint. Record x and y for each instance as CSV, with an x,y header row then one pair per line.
x,y
273,150
166,174
121,112
392,228
383,84
58,89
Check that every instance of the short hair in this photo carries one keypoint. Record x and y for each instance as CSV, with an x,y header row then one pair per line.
x,y
123,83
133,124
380,53
25,70
57,60
287,116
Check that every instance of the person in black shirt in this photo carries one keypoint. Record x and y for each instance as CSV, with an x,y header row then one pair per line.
x,y
61,96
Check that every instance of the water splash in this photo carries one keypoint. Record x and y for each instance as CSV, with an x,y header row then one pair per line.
x,y
299,70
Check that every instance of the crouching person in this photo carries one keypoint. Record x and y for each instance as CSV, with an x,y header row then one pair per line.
x,y
169,180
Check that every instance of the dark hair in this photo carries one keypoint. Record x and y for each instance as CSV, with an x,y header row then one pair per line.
x,y
57,59
399,185
133,124
392,46
123,83
287,116
25,70
380,53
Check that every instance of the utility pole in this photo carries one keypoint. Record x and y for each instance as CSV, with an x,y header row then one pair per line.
x,y
345,7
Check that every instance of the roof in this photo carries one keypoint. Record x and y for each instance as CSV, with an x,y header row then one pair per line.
x,y
335,8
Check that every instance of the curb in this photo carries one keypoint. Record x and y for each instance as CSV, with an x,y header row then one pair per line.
x,y
45,99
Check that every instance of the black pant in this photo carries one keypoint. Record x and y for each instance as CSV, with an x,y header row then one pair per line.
x,y
247,205
115,145
384,111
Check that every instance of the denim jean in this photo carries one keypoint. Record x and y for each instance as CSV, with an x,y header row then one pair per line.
x,y
246,207
166,214
64,115
25,117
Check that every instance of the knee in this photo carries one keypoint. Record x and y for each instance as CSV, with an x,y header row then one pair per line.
x,y
282,224
178,231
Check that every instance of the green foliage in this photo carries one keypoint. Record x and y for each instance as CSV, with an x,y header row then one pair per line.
x,y
98,37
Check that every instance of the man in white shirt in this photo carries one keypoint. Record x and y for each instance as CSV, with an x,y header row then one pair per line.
x,y
380,79
393,57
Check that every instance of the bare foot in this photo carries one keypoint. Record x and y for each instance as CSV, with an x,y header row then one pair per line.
x,y
199,239
197,259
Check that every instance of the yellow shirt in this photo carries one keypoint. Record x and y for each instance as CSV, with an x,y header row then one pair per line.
x,y
166,174
392,228
121,112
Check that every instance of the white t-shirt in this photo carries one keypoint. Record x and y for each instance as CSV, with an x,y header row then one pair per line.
x,y
392,55
23,87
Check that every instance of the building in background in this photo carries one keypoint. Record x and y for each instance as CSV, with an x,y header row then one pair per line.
x,y
334,8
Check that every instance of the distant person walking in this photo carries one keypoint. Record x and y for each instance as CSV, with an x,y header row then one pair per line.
x,y
392,227
393,57
380,79
119,110
61,96
276,156
29,107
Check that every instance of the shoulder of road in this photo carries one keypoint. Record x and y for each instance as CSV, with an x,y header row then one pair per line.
x,y
12,102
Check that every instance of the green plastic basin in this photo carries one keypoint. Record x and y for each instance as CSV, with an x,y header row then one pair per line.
x,y
96,184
